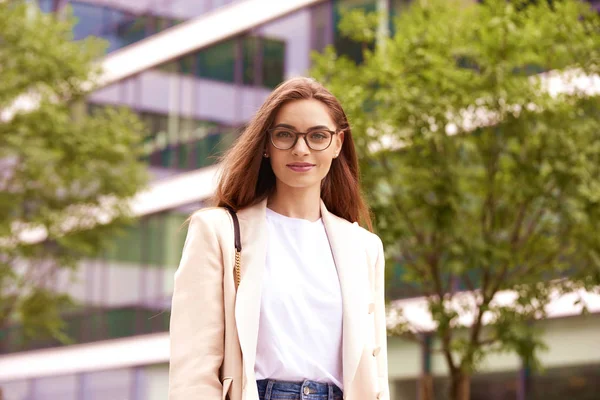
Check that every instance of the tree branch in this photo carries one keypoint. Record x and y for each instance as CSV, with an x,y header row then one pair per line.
x,y
514,238
468,282
398,205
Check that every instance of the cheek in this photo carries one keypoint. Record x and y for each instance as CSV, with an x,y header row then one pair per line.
x,y
325,164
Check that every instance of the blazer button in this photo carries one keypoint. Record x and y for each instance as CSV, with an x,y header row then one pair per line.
x,y
371,308
376,351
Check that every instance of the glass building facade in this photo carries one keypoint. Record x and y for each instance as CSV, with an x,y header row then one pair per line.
x,y
193,107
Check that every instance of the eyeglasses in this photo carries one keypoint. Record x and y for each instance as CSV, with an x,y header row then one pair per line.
x,y
286,138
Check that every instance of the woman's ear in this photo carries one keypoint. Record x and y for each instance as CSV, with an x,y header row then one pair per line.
x,y
339,141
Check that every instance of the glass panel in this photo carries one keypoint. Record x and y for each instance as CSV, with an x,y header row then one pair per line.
x,y
90,20
161,23
146,241
249,57
116,18
503,385
121,322
322,27
217,62
170,67
581,382
186,64
109,385
127,247
342,44
273,62
405,389
132,29
56,387
46,5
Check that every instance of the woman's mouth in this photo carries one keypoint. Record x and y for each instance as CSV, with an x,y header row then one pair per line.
x,y
300,167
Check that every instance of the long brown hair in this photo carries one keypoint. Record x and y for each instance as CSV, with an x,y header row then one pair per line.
x,y
247,177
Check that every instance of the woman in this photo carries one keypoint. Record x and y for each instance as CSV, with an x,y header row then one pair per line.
x,y
308,318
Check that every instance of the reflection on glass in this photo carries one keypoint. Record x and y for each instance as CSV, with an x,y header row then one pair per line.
x,y
132,29
273,62
90,20
581,382
46,5
250,48
217,62
344,45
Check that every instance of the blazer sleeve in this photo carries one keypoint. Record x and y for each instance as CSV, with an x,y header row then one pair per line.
x,y
380,321
197,327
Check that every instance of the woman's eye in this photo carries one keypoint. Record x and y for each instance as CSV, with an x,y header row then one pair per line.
x,y
318,136
284,134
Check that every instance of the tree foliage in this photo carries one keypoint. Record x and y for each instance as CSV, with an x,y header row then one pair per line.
x,y
65,174
481,178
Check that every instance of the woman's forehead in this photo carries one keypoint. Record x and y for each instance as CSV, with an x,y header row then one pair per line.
x,y
303,114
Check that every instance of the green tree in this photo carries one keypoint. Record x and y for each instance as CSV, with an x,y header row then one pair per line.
x,y
65,174
481,178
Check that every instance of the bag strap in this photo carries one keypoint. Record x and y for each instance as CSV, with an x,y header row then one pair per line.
x,y
238,246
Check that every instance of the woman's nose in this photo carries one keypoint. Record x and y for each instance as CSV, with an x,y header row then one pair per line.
x,y
301,147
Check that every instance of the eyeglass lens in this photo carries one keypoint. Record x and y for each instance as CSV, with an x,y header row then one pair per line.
x,y
285,139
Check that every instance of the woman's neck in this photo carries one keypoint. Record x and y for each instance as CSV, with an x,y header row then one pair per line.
x,y
303,203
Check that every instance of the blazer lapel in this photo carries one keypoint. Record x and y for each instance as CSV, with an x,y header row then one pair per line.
x,y
345,248
253,231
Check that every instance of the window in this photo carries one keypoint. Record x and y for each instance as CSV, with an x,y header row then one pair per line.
x,y
576,382
132,29
217,62
250,49
503,385
47,6
114,19
273,62
90,20
262,62
193,145
344,45
148,240
322,34
119,27
159,24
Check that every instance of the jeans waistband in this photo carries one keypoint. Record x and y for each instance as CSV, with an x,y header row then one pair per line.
x,y
305,387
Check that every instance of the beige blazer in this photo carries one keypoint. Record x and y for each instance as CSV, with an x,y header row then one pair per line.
x,y
209,320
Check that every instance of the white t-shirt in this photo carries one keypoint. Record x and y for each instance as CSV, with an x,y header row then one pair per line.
x,y
300,326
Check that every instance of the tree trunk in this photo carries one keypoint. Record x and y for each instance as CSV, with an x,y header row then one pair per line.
x,y
460,387
426,387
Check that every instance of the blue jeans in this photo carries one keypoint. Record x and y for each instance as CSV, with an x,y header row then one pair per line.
x,y
269,389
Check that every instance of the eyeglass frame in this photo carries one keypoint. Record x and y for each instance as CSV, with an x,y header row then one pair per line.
x,y
297,133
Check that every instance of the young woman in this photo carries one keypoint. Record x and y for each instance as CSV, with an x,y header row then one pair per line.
x,y
307,320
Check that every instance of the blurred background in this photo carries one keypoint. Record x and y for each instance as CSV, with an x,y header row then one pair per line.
x,y
194,72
